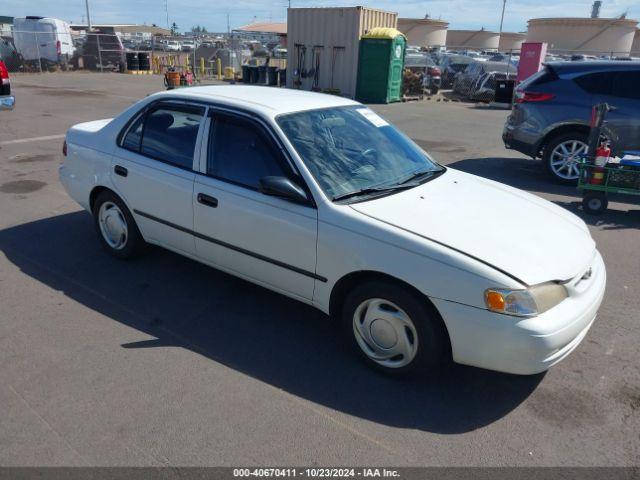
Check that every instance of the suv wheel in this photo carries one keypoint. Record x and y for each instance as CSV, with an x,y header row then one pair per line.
x,y
562,155
393,329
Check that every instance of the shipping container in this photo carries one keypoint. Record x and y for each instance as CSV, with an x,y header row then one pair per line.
x,y
323,45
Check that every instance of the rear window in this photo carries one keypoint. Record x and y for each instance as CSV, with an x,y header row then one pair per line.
x,y
545,75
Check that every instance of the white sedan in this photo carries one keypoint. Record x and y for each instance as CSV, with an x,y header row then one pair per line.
x,y
320,199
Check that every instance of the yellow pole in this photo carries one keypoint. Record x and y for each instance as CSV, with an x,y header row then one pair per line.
x,y
202,66
219,68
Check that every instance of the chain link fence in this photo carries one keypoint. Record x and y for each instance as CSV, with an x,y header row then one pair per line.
x,y
39,52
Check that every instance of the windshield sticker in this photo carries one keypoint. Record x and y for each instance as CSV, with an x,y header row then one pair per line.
x,y
373,117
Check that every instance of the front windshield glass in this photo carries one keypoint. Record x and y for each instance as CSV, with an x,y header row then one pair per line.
x,y
349,149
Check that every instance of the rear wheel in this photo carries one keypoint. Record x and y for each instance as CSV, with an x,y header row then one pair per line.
x,y
393,329
116,228
562,155
594,202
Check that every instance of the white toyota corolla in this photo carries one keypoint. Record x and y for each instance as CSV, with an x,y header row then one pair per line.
x,y
319,198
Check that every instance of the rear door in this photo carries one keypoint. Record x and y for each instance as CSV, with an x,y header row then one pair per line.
x,y
153,170
621,90
625,119
265,239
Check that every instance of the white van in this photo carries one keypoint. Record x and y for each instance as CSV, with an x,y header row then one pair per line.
x,y
45,39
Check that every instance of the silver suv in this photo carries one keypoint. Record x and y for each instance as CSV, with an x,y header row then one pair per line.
x,y
552,111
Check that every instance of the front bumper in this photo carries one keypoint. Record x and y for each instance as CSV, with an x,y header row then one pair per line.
x,y
524,345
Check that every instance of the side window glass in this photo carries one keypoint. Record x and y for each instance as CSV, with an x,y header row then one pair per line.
x,y
170,134
627,85
596,83
134,135
241,153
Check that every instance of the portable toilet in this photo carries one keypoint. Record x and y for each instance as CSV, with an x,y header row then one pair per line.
x,y
380,66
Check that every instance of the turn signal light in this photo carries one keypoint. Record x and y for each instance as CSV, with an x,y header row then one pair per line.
x,y
64,148
495,300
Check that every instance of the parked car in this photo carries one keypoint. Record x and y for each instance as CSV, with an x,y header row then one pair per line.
x,y
478,80
552,112
424,64
452,65
44,40
7,101
318,198
188,45
101,51
172,46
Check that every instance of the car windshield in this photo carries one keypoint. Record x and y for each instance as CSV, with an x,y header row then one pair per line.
x,y
351,149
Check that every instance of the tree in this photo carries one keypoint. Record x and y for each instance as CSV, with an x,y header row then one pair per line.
x,y
174,28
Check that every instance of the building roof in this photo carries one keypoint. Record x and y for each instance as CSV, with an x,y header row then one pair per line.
x,y
423,21
265,100
585,21
279,28
4,19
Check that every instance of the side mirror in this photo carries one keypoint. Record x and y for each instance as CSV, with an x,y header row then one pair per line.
x,y
7,103
284,188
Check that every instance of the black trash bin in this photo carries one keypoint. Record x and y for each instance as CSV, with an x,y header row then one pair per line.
x,y
246,73
144,61
132,61
262,74
253,70
504,91
282,74
272,76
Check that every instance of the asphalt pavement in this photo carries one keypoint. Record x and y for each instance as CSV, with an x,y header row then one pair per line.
x,y
164,361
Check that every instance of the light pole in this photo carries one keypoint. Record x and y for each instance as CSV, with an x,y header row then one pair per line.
x,y
504,4
88,16
166,9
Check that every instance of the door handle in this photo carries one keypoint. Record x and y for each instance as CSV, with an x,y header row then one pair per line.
x,y
123,172
207,200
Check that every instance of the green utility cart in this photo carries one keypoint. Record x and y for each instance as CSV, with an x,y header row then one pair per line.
x,y
380,66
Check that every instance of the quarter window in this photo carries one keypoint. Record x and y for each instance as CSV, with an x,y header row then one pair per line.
x,y
166,133
596,83
241,153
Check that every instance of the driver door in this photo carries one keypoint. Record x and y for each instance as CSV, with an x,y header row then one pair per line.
x,y
265,239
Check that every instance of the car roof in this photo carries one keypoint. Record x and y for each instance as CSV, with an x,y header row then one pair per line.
x,y
569,68
270,101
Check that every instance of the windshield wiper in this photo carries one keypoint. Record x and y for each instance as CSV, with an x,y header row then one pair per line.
x,y
419,174
370,190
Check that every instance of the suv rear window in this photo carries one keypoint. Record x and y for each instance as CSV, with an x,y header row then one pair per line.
x,y
545,75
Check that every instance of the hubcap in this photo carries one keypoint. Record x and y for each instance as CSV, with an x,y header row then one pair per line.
x,y
113,225
385,333
565,159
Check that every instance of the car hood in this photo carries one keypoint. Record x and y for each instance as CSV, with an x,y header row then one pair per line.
x,y
520,234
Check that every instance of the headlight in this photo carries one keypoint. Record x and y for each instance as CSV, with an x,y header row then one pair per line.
x,y
525,303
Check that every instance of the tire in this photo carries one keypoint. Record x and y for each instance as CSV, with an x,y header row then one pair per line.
x,y
573,143
115,226
417,331
433,90
594,203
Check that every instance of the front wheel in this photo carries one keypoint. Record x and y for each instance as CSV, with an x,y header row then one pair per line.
x,y
433,90
116,228
393,329
594,202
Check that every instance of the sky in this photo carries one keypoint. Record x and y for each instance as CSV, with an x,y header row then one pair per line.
x,y
212,14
